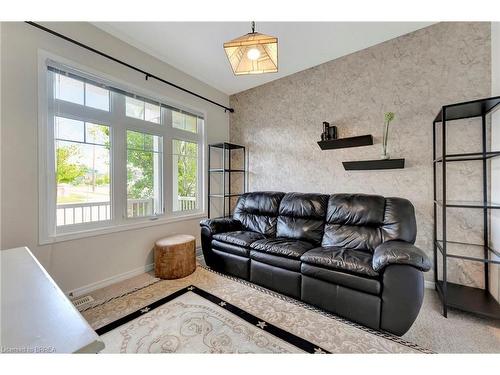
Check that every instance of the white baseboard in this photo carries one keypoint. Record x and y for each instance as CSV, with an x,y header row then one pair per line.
x,y
86,289
429,284
110,280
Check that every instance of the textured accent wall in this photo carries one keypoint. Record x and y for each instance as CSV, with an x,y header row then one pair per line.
x,y
412,75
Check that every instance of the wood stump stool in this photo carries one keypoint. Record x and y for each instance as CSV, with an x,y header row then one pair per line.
x,y
175,256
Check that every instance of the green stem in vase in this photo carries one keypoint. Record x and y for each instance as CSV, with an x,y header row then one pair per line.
x,y
388,116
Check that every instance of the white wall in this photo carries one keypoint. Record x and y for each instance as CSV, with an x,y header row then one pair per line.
x,y
495,163
77,263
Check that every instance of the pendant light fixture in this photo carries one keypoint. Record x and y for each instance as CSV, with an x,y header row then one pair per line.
x,y
253,53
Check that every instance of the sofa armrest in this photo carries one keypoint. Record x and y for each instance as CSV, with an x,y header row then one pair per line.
x,y
400,252
221,225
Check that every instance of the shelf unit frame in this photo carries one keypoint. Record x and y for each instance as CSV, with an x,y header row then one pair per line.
x,y
475,300
226,174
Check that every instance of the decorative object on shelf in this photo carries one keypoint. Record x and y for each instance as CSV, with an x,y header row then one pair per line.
x,y
226,170
329,132
324,135
363,165
466,298
253,53
388,117
331,144
332,132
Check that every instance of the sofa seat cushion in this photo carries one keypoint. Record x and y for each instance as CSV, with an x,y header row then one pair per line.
x,y
282,246
239,238
275,260
337,258
231,249
359,282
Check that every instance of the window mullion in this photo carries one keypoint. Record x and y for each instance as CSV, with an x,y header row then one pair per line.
x,y
142,126
51,162
72,110
167,165
201,166
118,159
185,135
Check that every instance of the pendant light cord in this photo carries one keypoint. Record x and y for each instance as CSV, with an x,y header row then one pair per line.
x,y
253,27
146,74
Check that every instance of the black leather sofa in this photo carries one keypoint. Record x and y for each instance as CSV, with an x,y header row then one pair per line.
x,y
350,254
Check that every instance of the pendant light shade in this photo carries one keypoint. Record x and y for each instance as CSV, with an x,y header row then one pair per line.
x,y
253,53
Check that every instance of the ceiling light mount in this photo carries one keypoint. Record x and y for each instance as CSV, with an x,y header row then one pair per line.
x,y
253,53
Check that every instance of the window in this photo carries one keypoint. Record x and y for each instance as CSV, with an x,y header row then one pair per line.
x,y
184,121
142,110
82,172
144,174
69,89
96,97
79,92
113,158
185,179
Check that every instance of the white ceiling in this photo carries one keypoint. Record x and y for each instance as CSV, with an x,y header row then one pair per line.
x,y
196,47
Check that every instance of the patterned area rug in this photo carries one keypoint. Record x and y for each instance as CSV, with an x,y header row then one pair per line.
x,y
208,312
195,321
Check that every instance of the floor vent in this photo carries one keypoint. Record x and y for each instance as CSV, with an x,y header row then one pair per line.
x,y
82,301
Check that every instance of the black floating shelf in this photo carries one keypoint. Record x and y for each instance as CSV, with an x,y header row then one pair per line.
x,y
361,140
364,165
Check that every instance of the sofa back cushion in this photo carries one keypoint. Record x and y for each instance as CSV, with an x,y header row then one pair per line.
x,y
258,211
353,221
399,221
302,217
361,221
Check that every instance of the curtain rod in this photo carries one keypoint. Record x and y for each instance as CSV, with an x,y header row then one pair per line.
x,y
147,74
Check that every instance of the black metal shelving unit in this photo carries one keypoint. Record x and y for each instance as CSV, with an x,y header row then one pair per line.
x,y
474,300
226,171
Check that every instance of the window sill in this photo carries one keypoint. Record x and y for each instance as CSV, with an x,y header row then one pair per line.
x,y
69,236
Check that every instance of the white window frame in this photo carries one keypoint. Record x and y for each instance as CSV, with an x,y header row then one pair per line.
x,y
119,123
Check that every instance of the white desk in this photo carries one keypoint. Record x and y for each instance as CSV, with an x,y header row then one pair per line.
x,y
36,315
